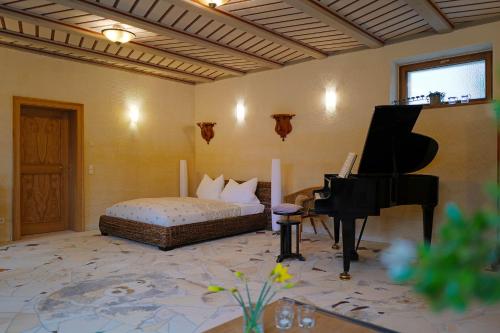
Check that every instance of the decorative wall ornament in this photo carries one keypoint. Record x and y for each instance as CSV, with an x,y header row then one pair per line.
x,y
283,126
207,131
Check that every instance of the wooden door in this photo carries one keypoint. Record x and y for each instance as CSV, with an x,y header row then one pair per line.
x,y
44,172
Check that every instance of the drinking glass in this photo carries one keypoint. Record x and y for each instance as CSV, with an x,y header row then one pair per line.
x,y
465,98
452,100
284,314
286,302
306,316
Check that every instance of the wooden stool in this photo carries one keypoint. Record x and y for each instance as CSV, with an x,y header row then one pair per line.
x,y
286,237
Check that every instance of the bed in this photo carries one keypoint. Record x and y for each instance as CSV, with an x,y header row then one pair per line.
x,y
223,220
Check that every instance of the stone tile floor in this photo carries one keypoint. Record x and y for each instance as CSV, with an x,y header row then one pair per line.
x,y
84,282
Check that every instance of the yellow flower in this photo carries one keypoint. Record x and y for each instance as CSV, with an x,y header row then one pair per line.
x,y
275,269
233,290
289,285
280,274
215,289
239,275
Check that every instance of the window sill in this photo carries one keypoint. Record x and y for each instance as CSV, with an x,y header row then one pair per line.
x,y
446,105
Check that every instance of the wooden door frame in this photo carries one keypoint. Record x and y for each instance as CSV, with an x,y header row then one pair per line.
x,y
76,194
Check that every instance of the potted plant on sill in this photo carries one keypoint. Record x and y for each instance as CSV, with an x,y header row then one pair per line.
x,y
435,97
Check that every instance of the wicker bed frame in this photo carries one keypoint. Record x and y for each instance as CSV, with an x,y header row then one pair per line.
x,y
167,238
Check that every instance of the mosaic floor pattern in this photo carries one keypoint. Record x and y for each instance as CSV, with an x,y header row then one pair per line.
x,y
84,282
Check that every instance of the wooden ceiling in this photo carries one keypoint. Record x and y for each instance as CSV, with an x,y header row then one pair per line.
x,y
186,41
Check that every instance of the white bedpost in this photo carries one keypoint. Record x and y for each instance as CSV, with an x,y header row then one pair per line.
x,y
183,179
275,189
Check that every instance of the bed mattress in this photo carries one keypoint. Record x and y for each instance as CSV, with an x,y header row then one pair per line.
x,y
173,211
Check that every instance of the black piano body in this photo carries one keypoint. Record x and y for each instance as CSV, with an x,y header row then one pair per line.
x,y
390,154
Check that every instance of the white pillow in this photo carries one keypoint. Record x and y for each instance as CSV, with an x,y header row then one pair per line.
x,y
210,189
240,193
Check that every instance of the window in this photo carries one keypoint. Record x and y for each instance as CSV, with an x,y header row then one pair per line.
x,y
468,75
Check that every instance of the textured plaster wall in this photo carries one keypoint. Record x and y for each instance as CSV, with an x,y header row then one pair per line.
x,y
129,162
139,162
320,141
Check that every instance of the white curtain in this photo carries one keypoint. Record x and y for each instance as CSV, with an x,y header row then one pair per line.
x,y
183,179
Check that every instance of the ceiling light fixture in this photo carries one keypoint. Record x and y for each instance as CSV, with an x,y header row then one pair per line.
x,y
215,3
118,34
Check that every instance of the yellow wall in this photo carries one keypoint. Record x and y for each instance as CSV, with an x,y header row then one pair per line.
x,y
129,163
320,142
144,162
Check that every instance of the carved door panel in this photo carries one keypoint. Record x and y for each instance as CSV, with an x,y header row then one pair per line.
x,y
44,170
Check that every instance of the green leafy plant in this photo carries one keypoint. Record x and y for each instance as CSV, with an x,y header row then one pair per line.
x,y
277,280
454,271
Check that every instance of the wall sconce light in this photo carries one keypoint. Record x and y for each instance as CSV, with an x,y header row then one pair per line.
x,y
134,115
330,99
207,131
240,112
283,126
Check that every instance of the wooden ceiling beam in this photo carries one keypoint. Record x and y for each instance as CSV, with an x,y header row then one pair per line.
x,y
249,27
101,55
157,28
312,8
16,46
57,25
431,14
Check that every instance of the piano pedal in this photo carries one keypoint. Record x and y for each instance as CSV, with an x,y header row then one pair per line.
x,y
336,246
344,276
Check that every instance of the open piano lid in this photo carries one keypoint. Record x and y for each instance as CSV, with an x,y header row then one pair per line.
x,y
391,147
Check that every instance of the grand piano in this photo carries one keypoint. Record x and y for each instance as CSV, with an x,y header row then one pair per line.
x,y
390,154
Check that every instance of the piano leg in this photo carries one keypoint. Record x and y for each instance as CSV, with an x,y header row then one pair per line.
x,y
348,240
354,253
428,212
336,232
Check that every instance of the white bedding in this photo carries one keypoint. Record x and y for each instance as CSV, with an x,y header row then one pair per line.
x,y
250,208
172,211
